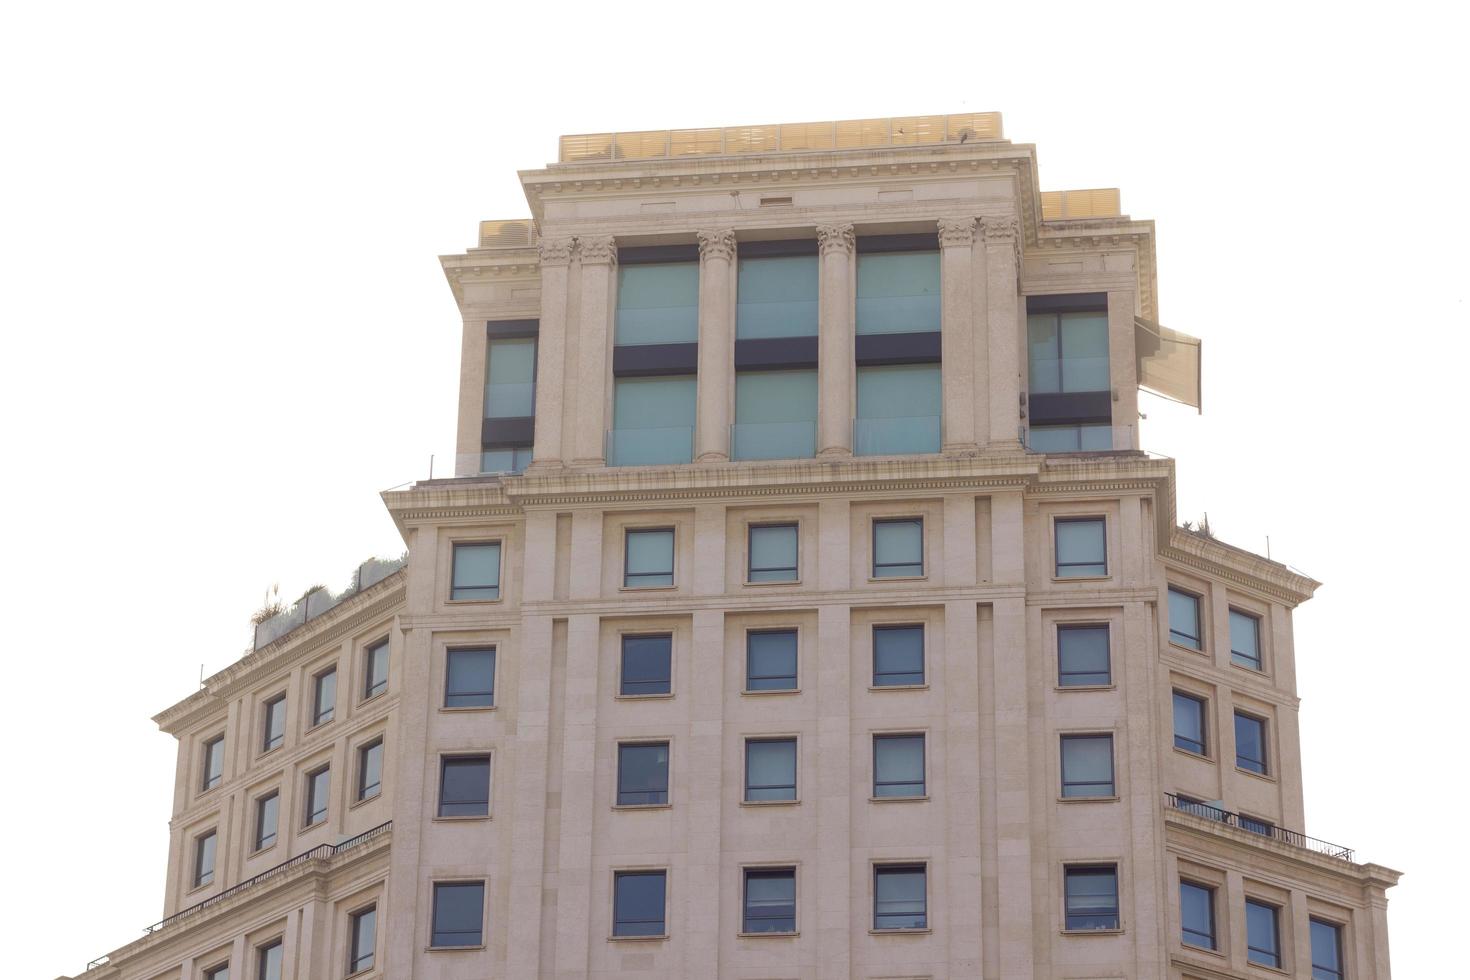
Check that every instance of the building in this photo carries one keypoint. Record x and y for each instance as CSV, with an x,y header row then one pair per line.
x,y
802,606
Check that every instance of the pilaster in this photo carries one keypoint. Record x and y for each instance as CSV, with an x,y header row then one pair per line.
x,y
599,260
835,860
551,351
472,349
1003,322
1124,369
835,353
716,345
957,334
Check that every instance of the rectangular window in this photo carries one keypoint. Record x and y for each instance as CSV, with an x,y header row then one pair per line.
x,y
274,735
1250,743
1091,896
646,665
898,548
1087,765
898,656
900,899
1067,352
1082,656
898,766
898,292
770,769
772,550
1256,826
658,303
653,421
318,785
1262,933
324,697
469,678
510,378
898,409
370,770
643,773
1189,724
770,660
204,847
268,961
776,296
221,972
769,901
1091,438
464,786
1197,914
476,572
505,459
267,819
1184,619
1081,547
1326,950
1245,640
648,558
638,903
775,415
375,674
214,763
364,940
459,913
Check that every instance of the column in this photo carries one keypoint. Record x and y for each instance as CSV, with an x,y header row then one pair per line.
x,y
835,341
551,351
1123,369
1002,270
957,334
599,254
716,344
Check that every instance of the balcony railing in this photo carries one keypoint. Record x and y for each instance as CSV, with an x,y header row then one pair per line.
x,y
650,447
773,440
1211,812
895,436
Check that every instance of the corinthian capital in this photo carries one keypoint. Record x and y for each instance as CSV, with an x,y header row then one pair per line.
x,y
717,244
835,239
555,251
956,232
998,230
597,249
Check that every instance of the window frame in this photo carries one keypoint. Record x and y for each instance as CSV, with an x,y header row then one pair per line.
x,y
795,634
449,655
898,867
1339,946
1199,619
267,709
1241,660
498,587
1090,736
446,760
319,716
355,964
1089,869
623,638
672,573
434,892
1079,627
750,569
1185,932
876,565
1058,565
361,787
198,876
1203,742
923,794
369,689
262,957
795,786
257,839
208,747
923,681
619,874
770,871
1265,729
308,797
668,746
220,971
1277,960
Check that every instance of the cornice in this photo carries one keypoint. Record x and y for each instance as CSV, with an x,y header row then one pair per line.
x,y
1257,851
1244,568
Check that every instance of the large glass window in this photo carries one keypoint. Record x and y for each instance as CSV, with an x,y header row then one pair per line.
x,y
1245,640
898,656
770,770
638,903
1091,896
770,660
1087,765
476,572
459,913
643,773
653,421
1184,619
510,378
1068,352
646,665
776,296
898,766
1189,724
505,459
658,303
375,672
1326,950
773,549
775,415
900,899
204,850
269,960
324,697
318,786
898,410
469,678
364,940
267,818
769,901
1082,656
1082,548
274,734
214,763
464,786
1250,743
1092,437
370,770
898,548
1197,914
1262,933
898,292
648,558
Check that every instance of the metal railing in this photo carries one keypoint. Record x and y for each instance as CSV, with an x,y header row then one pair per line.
x,y
1211,812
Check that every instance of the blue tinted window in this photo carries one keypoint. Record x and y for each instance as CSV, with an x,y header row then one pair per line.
x,y
1082,656
1197,914
898,656
646,665
1082,549
898,765
770,660
638,903
1189,723
476,573
459,911
464,786
1250,743
769,900
770,769
1184,619
899,897
1087,765
1091,897
648,559
643,774
1262,934
469,678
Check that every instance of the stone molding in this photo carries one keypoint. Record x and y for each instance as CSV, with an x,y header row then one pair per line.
x,y
836,239
556,251
998,231
956,232
598,249
717,244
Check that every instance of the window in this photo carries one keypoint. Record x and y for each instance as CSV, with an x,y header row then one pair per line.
x,y
1245,640
469,678
1184,619
898,409
1326,950
653,421
364,933
1250,743
267,817
898,766
464,786
459,911
318,782
643,773
1087,765
1189,723
1257,826
770,770
769,900
648,558
505,459
375,677
1197,914
658,303
1262,933
776,296
204,848
1081,547
898,656
268,960
476,571
1082,656
221,972
1068,352
370,770
898,292
770,660
646,665
275,724
510,378
214,763
898,548
775,415
638,903
1091,897
899,897
772,553
1090,438
324,697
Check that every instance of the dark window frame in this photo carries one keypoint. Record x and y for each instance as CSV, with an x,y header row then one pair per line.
x,y
1330,972
455,588
795,744
667,746
886,628
751,570
1112,783
220,971
435,934
262,957
880,869
372,688
208,781
619,921
668,678
320,714
202,876
357,960
1058,565
1200,746
1083,305
1063,673
452,759
1191,936
449,657
877,565
795,663
363,786
1111,918
1239,659
1262,766
749,922
1271,956
312,815
261,840
672,575
268,708
923,782
1199,621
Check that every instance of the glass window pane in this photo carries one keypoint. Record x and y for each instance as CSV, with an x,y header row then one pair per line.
x,y
1082,656
649,557
511,459
370,770
770,769
775,415
1326,951
510,376
476,572
658,304
1184,619
898,409
638,903
770,900
364,940
1087,765
645,665
1245,640
459,910
1092,898
1262,937
469,678
772,553
899,900
326,697
318,785
1250,743
898,548
268,961
897,292
267,817
643,774
376,674
1043,356
770,660
776,296
1189,723
214,762
1084,342
1197,914
275,723
898,765
464,786
898,655
204,859
1081,547
653,421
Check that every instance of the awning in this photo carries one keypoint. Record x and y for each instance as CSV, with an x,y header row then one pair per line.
x,y
1168,362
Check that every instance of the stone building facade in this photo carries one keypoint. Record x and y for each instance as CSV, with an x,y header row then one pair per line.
x,y
802,606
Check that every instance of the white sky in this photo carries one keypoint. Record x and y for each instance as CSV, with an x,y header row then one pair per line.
x,y
226,329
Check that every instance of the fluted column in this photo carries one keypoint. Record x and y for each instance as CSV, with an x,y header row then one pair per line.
x,y
599,255
1002,275
551,351
835,341
716,344
957,334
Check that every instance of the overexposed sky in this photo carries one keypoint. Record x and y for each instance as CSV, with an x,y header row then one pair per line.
x,y
225,330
